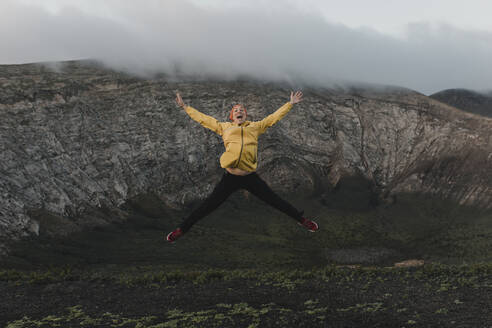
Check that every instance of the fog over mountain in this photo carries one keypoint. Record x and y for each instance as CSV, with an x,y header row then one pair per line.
x,y
274,41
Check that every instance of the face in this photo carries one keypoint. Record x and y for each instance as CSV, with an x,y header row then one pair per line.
x,y
238,115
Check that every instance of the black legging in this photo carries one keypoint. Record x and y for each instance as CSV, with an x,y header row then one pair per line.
x,y
230,183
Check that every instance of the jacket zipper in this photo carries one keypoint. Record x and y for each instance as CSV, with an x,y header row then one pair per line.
x,y
241,151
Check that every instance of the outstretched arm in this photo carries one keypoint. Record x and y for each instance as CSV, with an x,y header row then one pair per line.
x,y
281,112
206,121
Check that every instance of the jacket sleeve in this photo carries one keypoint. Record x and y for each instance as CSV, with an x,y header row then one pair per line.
x,y
207,121
274,117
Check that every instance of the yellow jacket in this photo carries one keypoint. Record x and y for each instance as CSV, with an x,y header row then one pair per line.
x,y
240,140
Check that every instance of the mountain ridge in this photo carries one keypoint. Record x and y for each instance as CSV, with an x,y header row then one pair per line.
x,y
475,102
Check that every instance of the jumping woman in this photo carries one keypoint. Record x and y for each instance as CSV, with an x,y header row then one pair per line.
x,y
240,161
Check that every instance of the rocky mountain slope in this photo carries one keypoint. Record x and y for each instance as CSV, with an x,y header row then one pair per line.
x,y
467,100
81,142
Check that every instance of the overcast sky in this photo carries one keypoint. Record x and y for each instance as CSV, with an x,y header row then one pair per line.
x,y
425,45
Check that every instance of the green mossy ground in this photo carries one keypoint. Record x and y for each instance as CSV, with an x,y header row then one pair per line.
x,y
247,234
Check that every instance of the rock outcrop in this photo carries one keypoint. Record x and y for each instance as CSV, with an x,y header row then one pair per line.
x,y
79,142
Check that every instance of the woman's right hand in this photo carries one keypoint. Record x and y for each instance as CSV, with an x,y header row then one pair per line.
x,y
179,100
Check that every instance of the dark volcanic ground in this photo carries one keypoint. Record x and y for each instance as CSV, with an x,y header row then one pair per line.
x,y
429,296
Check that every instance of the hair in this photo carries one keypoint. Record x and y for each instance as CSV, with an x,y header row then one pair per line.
x,y
236,106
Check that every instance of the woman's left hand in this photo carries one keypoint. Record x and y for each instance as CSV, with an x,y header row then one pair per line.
x,y
295,97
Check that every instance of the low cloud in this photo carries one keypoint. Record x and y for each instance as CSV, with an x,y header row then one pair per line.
x,y
275,43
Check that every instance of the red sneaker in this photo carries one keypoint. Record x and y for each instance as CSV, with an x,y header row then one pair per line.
x,y
310,225
173,235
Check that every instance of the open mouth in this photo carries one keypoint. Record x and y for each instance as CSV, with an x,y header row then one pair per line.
x,y
239,116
